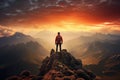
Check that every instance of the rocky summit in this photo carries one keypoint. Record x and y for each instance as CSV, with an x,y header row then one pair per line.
x,y
63,66
58,66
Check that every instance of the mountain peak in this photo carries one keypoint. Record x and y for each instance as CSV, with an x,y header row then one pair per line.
x,y
16,39
19,34
62,64
59,66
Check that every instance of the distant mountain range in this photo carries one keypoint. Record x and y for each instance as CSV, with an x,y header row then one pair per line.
x,y
100,51
16,39
97,45
22,52
19,52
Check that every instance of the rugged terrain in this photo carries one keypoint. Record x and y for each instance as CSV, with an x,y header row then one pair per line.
x,y
19,52
59,66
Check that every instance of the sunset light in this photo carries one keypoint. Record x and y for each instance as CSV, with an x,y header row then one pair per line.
x,y
59,39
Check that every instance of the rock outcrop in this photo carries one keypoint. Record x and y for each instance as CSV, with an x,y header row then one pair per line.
x,y
59,66
63,66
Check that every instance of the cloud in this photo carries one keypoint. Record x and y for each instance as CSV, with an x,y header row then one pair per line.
x,y
93,12
5,31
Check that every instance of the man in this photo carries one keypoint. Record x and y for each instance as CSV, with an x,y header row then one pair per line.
x,y
58,41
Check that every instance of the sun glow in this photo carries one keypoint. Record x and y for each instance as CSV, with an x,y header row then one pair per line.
x,y
66,25
70,26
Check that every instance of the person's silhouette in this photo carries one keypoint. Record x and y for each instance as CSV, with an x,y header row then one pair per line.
x,y
58,41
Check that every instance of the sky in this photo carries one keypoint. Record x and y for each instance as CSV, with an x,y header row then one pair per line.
x,y
34,16
42,19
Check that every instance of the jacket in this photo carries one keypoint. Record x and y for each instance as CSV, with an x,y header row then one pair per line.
x,y
58,39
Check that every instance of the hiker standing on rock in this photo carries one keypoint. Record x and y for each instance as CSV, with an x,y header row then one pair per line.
x,y
58,41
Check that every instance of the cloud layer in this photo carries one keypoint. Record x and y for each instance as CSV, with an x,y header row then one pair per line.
x,y
37,13
5,31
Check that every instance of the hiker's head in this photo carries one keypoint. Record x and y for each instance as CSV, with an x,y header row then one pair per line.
x,y
58,33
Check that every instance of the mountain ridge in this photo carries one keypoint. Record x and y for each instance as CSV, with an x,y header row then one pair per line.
x,y
19,52
16,38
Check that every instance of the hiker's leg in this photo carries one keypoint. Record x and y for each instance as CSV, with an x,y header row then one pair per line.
x,y
60,46
56,47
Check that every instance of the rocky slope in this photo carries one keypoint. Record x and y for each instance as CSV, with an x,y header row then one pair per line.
x,y
20,52
59,66
63,66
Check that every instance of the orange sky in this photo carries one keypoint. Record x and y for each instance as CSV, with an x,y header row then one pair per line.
x,y
65,21
105,27
91,16
69,20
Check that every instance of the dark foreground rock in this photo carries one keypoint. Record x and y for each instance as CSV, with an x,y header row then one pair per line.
x,y
63,66
59,66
